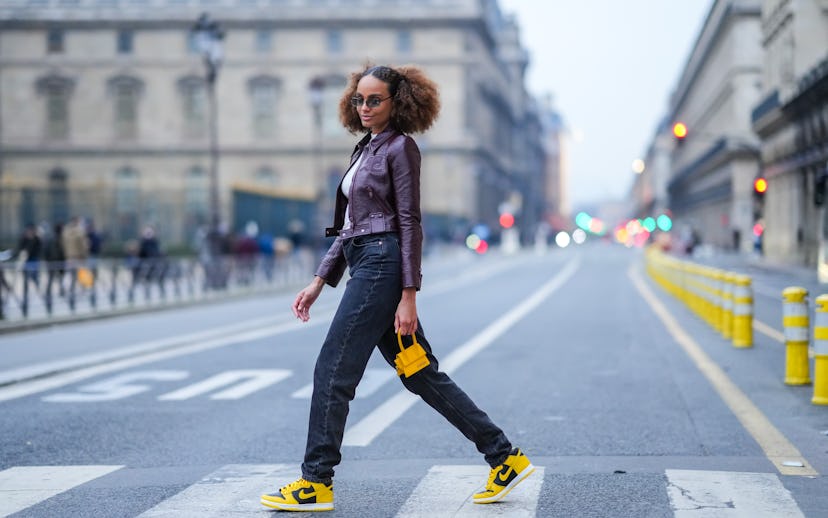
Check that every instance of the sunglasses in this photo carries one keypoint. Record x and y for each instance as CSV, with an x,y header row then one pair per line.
x,y
372,101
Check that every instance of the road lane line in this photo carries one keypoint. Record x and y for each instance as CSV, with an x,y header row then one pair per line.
x,y
776,446
233,490
367,429
768,331
447,491
717,494
25,486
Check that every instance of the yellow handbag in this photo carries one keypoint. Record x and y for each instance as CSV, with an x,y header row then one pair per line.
x,y
410,360
85,277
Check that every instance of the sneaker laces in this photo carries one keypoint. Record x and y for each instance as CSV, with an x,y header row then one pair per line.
x,y
492,474
293,485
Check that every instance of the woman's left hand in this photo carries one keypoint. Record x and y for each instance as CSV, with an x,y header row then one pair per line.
x,y
405,320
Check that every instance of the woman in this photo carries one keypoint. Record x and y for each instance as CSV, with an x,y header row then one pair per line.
x,y
379,237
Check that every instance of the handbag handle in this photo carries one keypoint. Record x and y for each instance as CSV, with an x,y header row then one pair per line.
x,y
399,340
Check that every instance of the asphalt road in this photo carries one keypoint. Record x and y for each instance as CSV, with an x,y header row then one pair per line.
x,y
628,405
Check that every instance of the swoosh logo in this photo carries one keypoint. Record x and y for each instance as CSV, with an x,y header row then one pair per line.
x,y
305,495
506,474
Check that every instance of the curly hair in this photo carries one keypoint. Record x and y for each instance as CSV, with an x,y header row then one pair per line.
x,y
416,99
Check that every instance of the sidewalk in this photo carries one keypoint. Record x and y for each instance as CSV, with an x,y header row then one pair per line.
x,y
746,262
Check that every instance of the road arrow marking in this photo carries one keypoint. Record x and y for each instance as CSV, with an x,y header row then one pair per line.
x,y
256,379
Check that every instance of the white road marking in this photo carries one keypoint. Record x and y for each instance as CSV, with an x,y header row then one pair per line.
x,y
47,368
118,387
367,429
372,380
25,486
41,385
446,491
256,379
722,494
233,490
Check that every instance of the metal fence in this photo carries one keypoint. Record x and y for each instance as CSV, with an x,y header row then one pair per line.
x,y
41,290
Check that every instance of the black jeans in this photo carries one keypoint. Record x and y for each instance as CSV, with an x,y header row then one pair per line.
x,y
364,320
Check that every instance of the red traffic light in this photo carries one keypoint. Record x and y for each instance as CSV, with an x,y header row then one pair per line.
x,y
680,130
760,185
507,220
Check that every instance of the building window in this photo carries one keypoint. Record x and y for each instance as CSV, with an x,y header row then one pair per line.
x,y
263,96
196,198
264,40
125,92
127,202
194,106
59,196
125,41
404,41
266,177
331,126
54,41
334,39
56,91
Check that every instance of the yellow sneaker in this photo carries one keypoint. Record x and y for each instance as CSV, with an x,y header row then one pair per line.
x,y
301,496
505,477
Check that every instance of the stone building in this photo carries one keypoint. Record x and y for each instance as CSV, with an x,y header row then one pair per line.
x,y
754,95
792,121
713,167
105,112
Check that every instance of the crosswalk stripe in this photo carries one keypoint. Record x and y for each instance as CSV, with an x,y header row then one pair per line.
x,y
447,491
25,486
722,494
232,490
372,380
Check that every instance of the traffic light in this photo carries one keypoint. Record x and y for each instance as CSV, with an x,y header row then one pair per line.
x,y
760,185
507,220
680,131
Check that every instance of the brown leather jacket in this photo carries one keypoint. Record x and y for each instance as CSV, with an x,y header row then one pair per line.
x,y
384,197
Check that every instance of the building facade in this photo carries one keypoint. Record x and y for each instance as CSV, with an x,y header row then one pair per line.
x,y
105,113
713,167
754,96
792,121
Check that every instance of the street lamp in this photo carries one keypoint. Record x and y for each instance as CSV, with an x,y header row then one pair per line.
x,y
316,90
208,38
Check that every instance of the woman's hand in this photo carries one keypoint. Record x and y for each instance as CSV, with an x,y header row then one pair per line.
x,y
306,298
405,320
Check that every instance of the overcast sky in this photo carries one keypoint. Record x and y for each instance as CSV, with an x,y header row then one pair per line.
x,y
610,66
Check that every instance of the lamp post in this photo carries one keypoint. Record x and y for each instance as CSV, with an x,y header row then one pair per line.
x,y
208,41
316,88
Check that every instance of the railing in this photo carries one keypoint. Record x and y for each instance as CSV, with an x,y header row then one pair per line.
x,y
34,291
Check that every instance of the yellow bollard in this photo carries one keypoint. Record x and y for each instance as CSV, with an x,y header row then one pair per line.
x,y
742,312
795,324
820,351
716,277
727,305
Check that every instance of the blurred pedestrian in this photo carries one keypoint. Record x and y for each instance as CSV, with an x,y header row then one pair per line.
x,y
379,235
31,247
246,252
76,249
150,257
268,254
55,259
